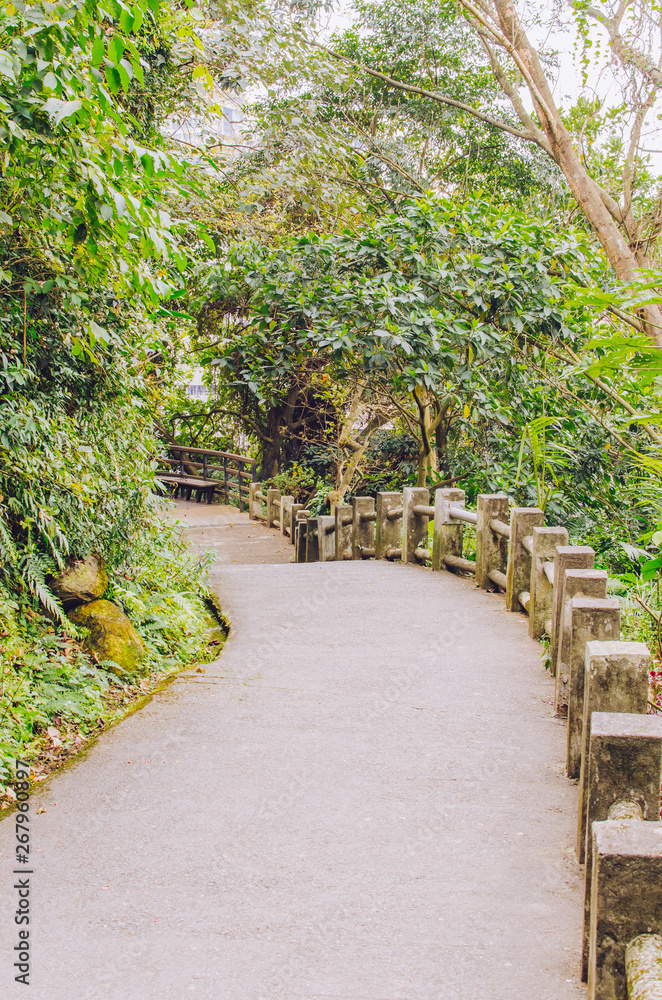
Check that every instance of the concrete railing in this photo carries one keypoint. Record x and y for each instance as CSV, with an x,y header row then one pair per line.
x,y
614,748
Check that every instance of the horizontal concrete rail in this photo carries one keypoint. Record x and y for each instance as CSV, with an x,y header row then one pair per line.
x,y
500,527
460,514
457,562
643,967
496,576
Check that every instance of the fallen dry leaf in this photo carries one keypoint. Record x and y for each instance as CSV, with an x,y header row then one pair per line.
x,y
54,735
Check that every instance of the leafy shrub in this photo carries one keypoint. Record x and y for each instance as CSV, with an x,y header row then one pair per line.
x,y
297,481
47,680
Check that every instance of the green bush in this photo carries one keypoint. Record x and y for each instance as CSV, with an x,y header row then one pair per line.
x,y
48,680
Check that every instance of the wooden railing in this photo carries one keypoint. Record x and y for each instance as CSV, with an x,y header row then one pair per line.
x,y
614,748
234,473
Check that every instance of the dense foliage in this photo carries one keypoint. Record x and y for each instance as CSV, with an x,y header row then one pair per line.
x,y
447,319
90,260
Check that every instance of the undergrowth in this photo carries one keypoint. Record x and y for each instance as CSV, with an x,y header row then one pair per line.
x,y
55,697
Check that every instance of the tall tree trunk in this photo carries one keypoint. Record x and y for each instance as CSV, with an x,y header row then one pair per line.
x,y
272,444
500,24
600,209
441,441
427,458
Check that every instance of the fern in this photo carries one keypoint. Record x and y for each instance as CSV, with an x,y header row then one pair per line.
x,y
34,568
8,553
546,458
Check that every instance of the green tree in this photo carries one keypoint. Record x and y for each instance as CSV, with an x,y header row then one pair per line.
x,y
421,312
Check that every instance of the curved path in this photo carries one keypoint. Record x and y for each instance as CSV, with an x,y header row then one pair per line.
x,y
362,799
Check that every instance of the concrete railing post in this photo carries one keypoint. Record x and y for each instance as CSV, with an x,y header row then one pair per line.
x,y
273,502
254,506
491,546
363,527
301,527
285,514
326,539
576,583
591,620
567,557
414,526
313,539
344,516
518,575
626,900
448,534
293,514
388,526
615,680
544,545
625,761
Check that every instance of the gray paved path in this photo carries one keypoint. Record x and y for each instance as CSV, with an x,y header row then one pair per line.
x,y
362,799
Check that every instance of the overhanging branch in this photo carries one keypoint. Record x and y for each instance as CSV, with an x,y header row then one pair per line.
x,y
434,96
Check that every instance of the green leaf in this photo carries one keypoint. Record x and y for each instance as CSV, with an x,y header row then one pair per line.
x,y
651,568
98,51
137,19
124,77
113,79
204,236
116,49
126,20
138,72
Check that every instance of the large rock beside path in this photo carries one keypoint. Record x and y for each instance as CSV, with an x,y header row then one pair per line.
x,y
112,636
82,580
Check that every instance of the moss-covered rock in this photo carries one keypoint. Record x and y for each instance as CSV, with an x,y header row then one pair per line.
x,y
112,636
82,580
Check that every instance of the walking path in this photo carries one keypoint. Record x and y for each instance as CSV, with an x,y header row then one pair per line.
x,y
362,799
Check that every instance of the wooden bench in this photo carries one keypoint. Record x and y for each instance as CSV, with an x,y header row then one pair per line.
x,y
186,484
